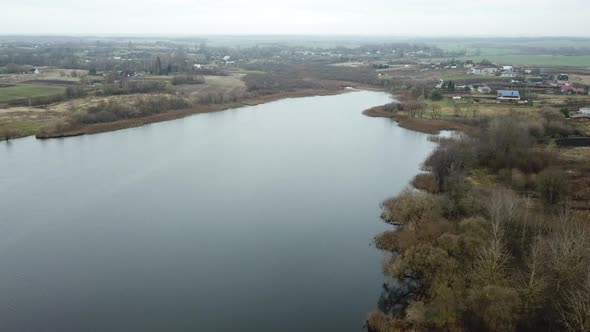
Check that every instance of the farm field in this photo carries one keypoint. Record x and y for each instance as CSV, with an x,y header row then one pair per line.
x,y
21,91
529,60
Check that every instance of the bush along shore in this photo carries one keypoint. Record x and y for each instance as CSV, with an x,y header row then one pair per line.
x,y
495,236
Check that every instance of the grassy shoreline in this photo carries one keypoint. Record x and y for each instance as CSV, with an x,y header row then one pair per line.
x,y
427,126
87,129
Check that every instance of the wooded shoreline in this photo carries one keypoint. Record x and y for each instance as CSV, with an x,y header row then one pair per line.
x,y
482,239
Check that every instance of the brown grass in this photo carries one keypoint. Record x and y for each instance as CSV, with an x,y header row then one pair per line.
x,y
429,126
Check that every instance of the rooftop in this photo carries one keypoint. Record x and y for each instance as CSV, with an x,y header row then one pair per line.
x,y
508,93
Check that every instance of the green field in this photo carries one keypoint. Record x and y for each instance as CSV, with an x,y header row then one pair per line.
x,y
519,51
528,60
538,60
22,91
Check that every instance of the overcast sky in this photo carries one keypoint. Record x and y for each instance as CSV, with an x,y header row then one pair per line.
x,y
321,17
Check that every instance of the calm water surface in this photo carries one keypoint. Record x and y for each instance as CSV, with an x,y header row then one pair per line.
x,y
253,219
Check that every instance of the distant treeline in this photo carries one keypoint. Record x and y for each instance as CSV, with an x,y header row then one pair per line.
x,y
130,87
568,51
283,77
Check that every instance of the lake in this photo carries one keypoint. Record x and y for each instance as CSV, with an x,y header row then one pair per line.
x,y
253,219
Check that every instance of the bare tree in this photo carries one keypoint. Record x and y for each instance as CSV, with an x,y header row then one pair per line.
x,y
567,254
575,312
534,281
435,111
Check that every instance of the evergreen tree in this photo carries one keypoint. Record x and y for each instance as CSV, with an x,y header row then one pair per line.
x,y
158,68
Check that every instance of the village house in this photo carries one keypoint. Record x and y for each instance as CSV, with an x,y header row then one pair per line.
x,y
582,115
484,89
34,71
483,70
509,74
536,80
572,89
562,79
508,96
567,89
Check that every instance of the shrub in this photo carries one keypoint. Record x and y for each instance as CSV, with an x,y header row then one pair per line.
x,y
188,79
426,182
558,128
506,143
75,92
493,308
552,185
436,95
391,107
459,200
134,87
112,110
145,86
424,263
410,209
575,312
450,158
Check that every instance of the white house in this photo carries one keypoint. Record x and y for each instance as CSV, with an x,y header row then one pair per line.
x,y
508,73
481,70
484,89
508,96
